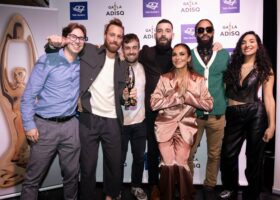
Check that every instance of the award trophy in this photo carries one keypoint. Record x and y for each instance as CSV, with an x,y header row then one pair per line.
x,y
130,82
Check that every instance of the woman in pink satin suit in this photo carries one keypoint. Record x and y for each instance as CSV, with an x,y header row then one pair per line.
x,y
177,95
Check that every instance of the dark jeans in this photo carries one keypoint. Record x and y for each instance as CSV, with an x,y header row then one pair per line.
x,y
153,151
93,131
248,122
136,134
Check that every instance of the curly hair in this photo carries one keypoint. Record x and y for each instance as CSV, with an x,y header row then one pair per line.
x,y
262,62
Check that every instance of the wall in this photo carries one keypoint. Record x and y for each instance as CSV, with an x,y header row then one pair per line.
x,y
231,18
37,24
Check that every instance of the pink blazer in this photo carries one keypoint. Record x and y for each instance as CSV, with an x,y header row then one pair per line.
x,y
177,111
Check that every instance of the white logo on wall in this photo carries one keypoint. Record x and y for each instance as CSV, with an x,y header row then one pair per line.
x,y
78,11
152,5
230,2
79,8
189,31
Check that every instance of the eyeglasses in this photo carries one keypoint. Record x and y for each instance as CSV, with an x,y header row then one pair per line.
x,y
208,29
74,38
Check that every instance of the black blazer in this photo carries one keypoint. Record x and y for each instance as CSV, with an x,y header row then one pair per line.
x,y
91,63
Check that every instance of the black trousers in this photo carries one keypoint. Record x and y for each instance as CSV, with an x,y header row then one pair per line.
x,y
244,122
136,134
93,131
153,154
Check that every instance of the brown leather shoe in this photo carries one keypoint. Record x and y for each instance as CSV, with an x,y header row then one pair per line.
x,y
155,194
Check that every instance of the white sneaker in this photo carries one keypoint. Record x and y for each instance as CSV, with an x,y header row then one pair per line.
x,y
139,193
226,194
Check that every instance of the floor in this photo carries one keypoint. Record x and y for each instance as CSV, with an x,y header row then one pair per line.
x,y
56,194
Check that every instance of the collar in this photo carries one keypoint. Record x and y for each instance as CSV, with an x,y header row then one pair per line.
x,y
61,53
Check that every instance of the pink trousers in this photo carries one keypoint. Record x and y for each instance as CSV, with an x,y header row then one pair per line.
x,y
174,169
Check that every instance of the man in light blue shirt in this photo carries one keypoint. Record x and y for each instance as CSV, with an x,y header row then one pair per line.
x,y
48,108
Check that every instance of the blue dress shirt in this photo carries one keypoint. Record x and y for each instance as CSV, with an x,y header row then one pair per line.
x,y
52,89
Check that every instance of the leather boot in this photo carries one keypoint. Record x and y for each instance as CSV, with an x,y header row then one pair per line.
x,y
155,194
167,183
184,178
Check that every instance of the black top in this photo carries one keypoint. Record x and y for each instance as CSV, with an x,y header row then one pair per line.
x,y
248,91
156,61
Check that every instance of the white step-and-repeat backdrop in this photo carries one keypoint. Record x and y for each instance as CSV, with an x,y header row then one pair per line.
x,y
231,18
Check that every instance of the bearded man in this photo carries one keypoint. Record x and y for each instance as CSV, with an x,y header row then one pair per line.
x,y
211,64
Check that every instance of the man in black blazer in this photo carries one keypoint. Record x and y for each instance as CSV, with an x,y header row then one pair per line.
x,y
156,61
102,81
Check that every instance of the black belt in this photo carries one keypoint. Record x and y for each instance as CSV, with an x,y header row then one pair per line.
x,y
56,119
205,117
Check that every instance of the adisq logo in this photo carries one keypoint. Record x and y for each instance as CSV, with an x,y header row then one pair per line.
x,y
149,33
230,30
115,10
190,6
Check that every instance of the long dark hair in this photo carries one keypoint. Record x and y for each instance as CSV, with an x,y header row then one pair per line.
x,y
262,62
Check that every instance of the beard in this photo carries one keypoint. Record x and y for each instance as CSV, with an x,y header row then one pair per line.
x,y
163,43
113,48
205,43
131,60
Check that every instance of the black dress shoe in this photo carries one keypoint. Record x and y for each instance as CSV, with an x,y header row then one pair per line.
x,y
209,193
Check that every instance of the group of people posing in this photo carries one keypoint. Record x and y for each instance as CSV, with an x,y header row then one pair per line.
x,y
77,98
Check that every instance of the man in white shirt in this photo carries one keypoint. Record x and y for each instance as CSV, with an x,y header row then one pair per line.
x,y
134,129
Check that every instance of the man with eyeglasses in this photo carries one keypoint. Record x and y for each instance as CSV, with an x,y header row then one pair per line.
x,y
102,83
48,108
210,64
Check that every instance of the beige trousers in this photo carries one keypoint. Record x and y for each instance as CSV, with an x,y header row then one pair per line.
x,y
214,129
